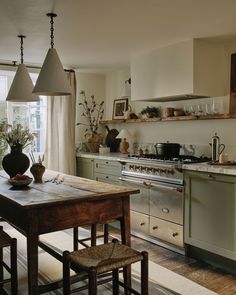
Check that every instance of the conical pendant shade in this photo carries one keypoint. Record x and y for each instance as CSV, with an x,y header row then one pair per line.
x,y
52,80
21,87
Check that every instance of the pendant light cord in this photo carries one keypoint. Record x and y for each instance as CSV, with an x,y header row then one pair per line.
x,y
52,15
21,48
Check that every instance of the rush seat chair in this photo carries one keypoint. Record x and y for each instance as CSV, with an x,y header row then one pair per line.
x,y
101,259
7,241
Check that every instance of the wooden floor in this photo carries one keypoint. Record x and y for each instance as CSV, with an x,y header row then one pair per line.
x,y
208,276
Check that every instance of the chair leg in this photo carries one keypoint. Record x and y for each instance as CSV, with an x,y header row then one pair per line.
x,y
1,268
144,274
115,276
93,234
127,278
66,274
106,233
92,276
75,238
14,280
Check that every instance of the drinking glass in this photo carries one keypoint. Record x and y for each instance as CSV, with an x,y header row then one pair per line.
x,y
209,110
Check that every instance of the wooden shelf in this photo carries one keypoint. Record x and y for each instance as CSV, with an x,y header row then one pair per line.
x,y
179,118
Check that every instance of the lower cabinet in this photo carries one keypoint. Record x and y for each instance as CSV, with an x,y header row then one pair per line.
x,y
107,171
139,222
210,206
85,167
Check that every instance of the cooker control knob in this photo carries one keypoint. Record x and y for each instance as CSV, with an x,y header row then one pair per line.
x,y
131,167
170,171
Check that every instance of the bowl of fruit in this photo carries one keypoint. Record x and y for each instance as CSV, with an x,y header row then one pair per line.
x,y
20,180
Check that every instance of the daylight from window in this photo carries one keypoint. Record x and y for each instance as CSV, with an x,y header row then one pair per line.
x,y
31,115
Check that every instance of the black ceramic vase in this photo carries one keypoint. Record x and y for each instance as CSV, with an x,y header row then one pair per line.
x,y
15,162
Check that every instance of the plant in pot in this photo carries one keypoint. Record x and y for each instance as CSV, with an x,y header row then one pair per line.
x,y
150,112
93,112
17,138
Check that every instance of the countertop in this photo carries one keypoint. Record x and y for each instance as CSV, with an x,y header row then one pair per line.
x,y
201,167
205,167
108,156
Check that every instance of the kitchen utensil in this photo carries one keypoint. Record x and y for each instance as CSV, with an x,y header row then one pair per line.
x,y
111,141
169,112
167,150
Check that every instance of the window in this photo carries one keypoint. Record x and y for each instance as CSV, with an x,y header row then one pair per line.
x,y
31,115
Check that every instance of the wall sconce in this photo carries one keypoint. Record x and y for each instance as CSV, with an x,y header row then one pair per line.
x,y
22,85
126,88
52,80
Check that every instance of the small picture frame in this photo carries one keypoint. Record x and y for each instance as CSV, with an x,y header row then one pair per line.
x,y
119,107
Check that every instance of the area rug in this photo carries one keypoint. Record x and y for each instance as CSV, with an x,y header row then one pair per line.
x,y
161,280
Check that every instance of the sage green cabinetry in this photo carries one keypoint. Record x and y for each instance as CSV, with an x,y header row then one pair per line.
x,y
210,206
107,171
85,167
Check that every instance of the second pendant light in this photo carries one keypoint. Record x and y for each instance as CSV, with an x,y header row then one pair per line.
x,y
52,80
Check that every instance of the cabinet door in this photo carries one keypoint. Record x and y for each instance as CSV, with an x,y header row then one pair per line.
x,y
84,167
107,167
210,212
113,179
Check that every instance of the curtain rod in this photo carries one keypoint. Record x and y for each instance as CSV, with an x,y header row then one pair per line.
x,y
14,64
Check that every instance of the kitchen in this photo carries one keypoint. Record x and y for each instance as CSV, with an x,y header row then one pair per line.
x,y
109,84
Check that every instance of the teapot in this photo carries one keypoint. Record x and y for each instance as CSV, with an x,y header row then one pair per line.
x,y
216,147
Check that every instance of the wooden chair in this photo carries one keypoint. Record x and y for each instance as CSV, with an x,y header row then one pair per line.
x,y
7,241
101,259
93,238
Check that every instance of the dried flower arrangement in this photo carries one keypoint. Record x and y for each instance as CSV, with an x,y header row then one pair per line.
x,y
18,136
93,111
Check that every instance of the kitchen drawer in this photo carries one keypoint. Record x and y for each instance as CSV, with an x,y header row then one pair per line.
x,y
139,222
167,203
113,179
107,167
166,231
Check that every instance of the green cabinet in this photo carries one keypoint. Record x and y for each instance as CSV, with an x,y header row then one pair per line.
x,y
210,206
107,171
85,167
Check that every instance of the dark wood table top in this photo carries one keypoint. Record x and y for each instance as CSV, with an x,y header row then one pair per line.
x,y
59,188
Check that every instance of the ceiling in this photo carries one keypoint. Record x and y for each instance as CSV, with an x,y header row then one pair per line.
x,y
106,33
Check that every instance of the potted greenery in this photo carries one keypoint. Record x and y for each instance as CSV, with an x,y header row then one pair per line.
x,y
93,112
150,112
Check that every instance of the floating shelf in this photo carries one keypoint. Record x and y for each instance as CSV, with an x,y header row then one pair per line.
x,y
179,118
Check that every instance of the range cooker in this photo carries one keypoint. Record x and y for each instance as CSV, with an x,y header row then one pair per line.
x,y
157,213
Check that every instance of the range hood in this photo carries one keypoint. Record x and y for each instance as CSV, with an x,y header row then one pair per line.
x,y
188,70
175,98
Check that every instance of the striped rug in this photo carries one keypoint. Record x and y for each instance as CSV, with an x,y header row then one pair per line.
x,y
161,280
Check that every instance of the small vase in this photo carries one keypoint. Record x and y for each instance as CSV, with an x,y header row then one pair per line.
x,y
37,171
15,162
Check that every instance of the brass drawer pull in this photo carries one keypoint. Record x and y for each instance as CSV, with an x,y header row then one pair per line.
x,y
142,223
107,176
175,234
155,227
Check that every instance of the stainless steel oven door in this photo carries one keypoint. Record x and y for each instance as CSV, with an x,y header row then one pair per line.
x,y
165,199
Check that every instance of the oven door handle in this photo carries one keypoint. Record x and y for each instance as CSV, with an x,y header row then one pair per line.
x,y
143,182
153,184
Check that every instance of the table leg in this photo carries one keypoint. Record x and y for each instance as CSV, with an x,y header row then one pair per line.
x,y
126,239
32,257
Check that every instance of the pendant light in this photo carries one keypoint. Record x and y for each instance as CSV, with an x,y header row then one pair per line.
x,y
22,85
52,80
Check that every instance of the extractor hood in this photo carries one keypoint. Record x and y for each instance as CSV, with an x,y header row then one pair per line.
x,y
187,70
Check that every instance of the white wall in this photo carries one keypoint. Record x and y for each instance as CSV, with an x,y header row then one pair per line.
x,y
111,86
92,84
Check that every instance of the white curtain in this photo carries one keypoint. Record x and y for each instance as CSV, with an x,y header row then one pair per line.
x,y
60,136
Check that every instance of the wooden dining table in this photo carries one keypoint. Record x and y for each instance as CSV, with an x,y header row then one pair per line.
x,y
61,202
